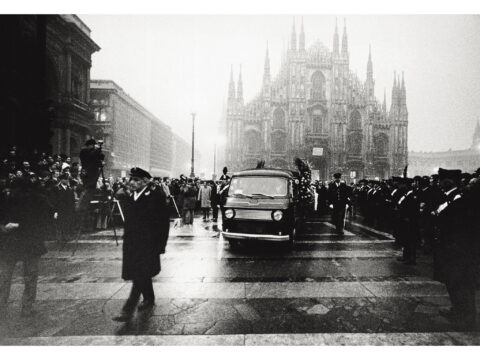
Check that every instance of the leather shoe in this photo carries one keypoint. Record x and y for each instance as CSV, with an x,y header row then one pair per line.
x,y
123,317
448,313
146,304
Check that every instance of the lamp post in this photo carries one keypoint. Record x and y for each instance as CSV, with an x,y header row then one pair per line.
x,y
214,176
192,173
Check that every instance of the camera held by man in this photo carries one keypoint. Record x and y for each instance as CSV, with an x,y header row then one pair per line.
x,y
92,159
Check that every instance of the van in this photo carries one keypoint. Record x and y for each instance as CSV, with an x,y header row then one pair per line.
x,y
261,206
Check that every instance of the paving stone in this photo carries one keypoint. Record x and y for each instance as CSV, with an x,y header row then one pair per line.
x,y
318,310
247,312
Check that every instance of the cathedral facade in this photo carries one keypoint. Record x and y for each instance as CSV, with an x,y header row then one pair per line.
x,y
317,109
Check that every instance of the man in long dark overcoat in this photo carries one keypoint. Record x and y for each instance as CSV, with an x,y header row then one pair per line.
x,y
145,238
338,197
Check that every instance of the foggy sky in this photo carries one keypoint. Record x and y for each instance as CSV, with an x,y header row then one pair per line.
x,y
174,65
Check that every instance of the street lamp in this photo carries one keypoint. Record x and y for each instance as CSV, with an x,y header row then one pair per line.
x,y
192,173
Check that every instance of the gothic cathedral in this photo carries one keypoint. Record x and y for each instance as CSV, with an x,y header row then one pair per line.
x,y
317,109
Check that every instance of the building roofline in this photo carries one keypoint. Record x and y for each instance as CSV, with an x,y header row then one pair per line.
x,y
115,87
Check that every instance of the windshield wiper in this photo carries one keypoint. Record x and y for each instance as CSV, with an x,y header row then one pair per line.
x,y
267,196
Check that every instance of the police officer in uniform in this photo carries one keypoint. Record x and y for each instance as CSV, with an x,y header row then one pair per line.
x,y
145,238
339,197
456,252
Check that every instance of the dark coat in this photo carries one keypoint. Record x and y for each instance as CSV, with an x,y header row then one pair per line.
x,y
456,252
33,211
64,205
339,195
408,218
145,235
190,198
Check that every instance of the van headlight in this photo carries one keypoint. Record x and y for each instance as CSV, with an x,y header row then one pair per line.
x,y
277,215
229,213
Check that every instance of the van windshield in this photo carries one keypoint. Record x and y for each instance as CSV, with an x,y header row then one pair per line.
x,y
258,186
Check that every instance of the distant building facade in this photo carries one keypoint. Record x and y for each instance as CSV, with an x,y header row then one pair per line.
x,y
426,163
44,92
317,109
133,136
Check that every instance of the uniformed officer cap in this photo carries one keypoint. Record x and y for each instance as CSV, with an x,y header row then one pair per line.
x,y
90,142
406,181
337,175
449,174
140,173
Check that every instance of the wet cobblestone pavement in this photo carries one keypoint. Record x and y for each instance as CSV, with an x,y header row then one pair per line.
x,y
330,290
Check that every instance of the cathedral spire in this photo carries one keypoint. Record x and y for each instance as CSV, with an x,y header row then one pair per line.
x,y
394,92
231,86
345,40
369,64
240,87
384,105
301,42
370,83
335,40
293,43
266,68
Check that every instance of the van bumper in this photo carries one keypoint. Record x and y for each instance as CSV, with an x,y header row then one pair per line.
x,y
265,237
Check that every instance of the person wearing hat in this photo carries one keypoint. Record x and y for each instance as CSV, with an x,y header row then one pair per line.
x,y
64,207
143,241
338,197
456,251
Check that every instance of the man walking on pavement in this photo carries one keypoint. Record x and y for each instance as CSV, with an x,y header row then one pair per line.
x,y
144,240
338,197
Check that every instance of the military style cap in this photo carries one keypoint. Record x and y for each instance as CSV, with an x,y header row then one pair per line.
x,y
449,174
140,173
337,175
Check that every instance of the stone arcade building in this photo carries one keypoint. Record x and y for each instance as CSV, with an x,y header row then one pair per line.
x,y
317,109
44,92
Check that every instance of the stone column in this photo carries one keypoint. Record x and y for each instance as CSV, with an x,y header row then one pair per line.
x,y
68,73
67,141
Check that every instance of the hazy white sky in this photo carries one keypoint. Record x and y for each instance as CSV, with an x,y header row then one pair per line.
x,y
174,65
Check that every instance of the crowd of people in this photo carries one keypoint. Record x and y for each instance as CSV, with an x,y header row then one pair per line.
x,y
48,197
438,214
